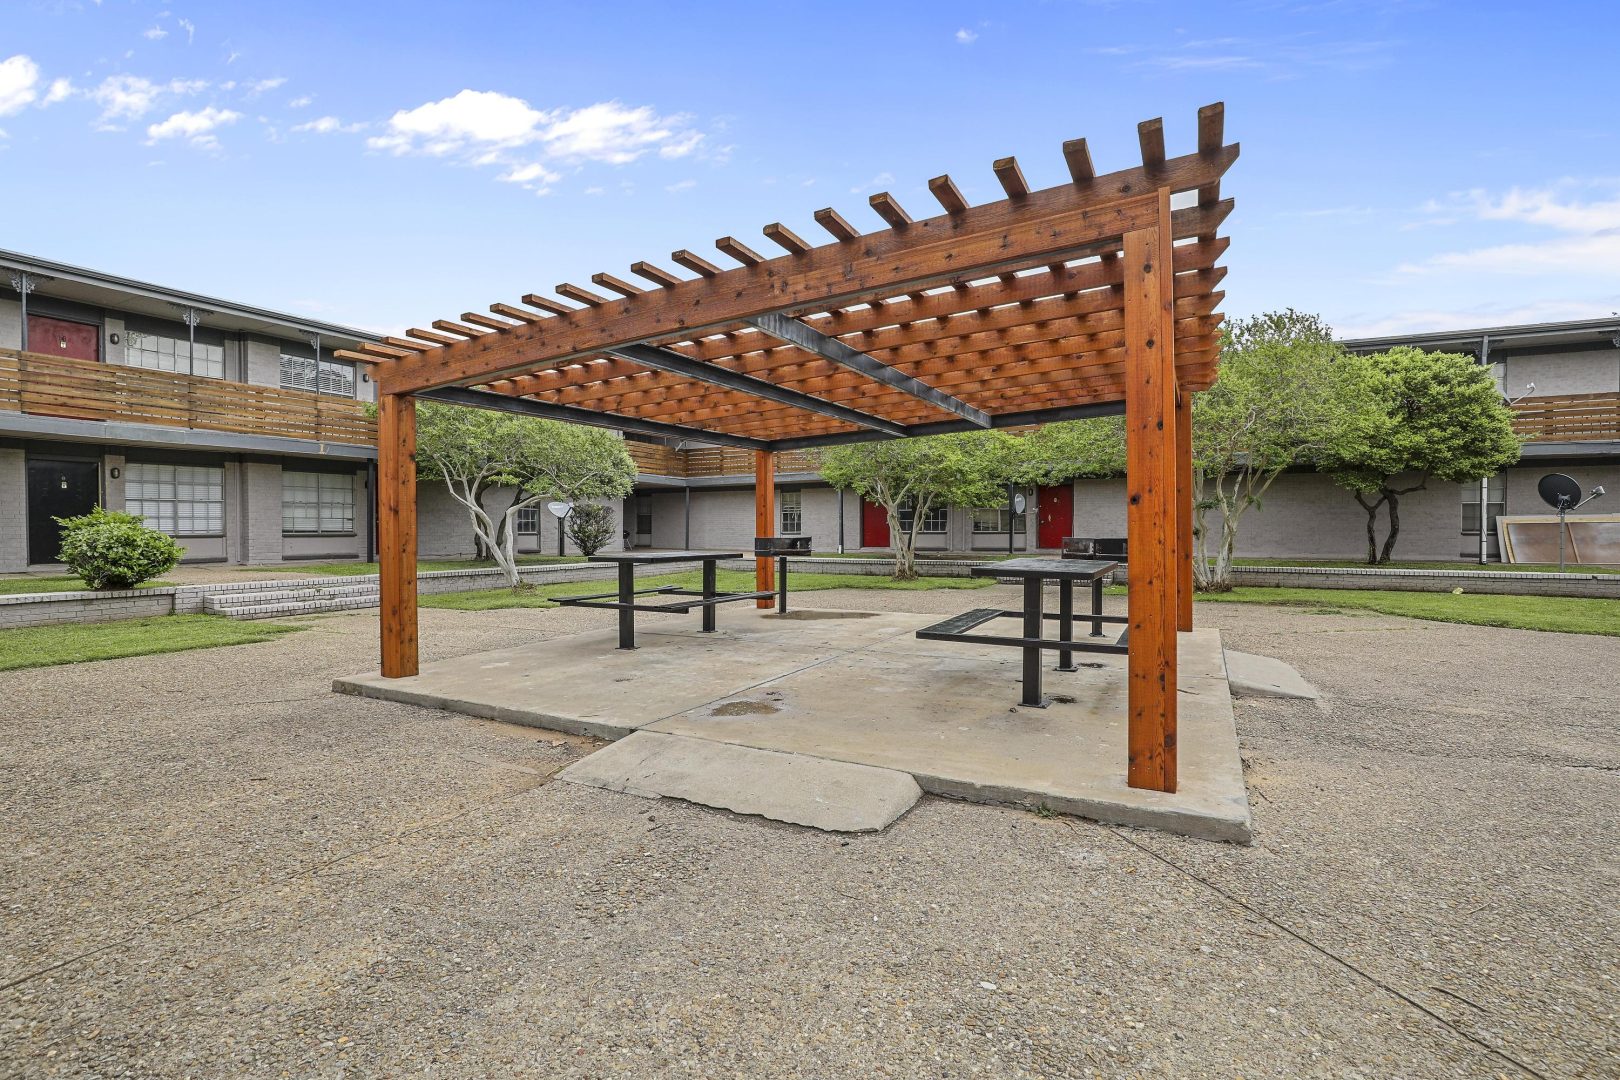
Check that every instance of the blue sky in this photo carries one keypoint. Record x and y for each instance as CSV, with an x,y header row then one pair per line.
x,y
1406,166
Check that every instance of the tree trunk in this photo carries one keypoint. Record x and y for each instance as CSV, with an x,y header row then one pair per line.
x,y
1372,526
905,553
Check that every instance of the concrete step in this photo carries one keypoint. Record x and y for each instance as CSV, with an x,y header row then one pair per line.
x,y
834,796
270,609
292,600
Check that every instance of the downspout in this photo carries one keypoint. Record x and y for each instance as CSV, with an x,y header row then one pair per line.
x,y
371,510
1485,481
840,521
686,542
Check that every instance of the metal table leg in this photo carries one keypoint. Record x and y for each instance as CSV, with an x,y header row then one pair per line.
x,y
781,585
627,596
1032,656
1096,607
1066,624
708,595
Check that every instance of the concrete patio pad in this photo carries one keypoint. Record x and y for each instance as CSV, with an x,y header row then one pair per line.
x,y
859,687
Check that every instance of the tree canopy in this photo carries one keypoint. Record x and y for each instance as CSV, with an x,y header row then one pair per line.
x,y
475,450
908,477
1431,416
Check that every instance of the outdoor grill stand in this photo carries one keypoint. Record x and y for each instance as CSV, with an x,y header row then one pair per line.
x,y
781,547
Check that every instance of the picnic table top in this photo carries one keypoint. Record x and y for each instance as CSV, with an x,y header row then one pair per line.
x,y
662,556
1073,569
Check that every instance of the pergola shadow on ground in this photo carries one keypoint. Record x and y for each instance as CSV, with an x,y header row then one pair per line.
x,y
1090,298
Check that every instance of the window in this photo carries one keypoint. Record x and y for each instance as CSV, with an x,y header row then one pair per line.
x,y
791,505
181,500
1470,506
162,353
528,521
995,520
317,502
324,376
933,521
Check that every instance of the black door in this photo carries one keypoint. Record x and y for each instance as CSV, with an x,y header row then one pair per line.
x,y
57,489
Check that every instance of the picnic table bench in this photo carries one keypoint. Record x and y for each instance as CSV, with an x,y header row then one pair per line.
x,y
1034,573
623,600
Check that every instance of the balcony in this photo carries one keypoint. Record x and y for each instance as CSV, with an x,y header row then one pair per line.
x,y
711,461
1568,418
53,386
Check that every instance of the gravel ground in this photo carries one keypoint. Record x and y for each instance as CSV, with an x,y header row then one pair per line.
x,y
212,867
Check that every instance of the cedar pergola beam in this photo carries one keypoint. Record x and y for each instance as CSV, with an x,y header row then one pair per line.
x,y
796,333
1062,222
673,362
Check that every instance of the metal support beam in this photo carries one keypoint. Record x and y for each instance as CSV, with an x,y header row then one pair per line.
x,y
673,362
794,332
1021,419
484,399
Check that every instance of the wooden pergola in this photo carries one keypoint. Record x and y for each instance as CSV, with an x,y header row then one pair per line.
x,y
1091,298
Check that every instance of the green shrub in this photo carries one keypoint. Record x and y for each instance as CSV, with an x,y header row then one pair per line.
x,y
590,526
109,550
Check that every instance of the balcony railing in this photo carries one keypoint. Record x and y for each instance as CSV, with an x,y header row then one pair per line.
x,y
44,385
657,460
1568,418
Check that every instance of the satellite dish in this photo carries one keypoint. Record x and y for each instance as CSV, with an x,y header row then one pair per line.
x,y
1019,503
1559,491
560,510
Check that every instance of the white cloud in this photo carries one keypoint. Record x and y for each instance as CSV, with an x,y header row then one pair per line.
x,y
196,127
190,29
254,89
1585,231
61,90
301,102
329,125
680,185
965,36
156,33
485,127
880,180
130,97
19,77
532,176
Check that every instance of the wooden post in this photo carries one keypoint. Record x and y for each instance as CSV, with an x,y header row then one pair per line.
x,y
396,532
764,521
1152,524
1184,509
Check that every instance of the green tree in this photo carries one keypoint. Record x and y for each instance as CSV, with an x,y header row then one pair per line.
x,y
1286,394
912,476
590,527
475,450
1071,450
1434,416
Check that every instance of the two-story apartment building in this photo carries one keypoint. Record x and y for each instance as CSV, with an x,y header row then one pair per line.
x,y
231,427
1564,379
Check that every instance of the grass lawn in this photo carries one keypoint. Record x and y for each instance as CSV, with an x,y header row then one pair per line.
x,y
1396,564
1564,614
72,643
351,569
56,583
726,580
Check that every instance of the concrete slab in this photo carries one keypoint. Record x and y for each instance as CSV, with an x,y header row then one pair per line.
x,y
861,689
833,796
953,723
1251,675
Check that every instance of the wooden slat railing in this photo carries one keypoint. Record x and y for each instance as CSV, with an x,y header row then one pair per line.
x,y
45,385
659,460
1568,418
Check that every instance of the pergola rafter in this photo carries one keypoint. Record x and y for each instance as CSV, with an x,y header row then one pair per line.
x,y
1088,298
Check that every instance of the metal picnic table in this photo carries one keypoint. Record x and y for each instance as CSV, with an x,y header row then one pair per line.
x,y
624,600
1034,573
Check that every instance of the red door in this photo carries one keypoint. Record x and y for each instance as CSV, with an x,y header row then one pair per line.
x,y
1056,515
58,337
874,525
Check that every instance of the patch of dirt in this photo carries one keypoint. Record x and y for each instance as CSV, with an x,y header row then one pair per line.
x,y
744,708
